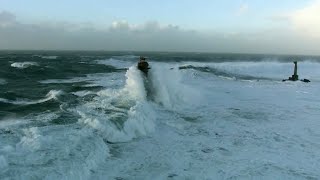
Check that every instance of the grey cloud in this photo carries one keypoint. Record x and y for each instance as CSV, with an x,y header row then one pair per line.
x,y
150,36
7,18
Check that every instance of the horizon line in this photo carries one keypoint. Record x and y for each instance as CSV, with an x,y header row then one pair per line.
x,y
155,51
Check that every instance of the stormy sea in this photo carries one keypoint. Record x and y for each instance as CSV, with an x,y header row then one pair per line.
x,y
94,115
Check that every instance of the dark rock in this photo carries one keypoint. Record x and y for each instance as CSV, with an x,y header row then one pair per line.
x,y
305,80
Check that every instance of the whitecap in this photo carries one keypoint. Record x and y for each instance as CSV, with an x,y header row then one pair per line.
x,y
94,80
64,81
52,94
49,57
46,116
23,65
82,93
115,62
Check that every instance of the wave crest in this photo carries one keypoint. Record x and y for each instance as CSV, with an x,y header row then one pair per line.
x,y
23,65
120,115
52,94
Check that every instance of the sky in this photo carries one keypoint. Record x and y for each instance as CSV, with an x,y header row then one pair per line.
x,y
236,26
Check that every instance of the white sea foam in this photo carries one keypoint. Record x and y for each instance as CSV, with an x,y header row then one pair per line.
x,y
73,152
169,90
31,140
99,79
45,116
267,69
108,80
135,85
128,104
119,62
265,130
23,65
49,57
62,81
52,94
82,93
7,122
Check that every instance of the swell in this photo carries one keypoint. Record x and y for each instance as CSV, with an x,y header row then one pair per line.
x,y
24,107
53,94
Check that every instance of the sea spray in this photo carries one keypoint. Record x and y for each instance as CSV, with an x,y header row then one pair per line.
x,y
169,90
120,114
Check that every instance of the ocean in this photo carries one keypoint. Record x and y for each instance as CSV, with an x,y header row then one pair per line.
x,y
94,115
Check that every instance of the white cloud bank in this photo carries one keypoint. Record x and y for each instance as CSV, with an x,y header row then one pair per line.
x,y
307,20
153,36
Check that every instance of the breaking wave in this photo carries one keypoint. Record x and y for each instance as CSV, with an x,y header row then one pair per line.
x,y
23,65
52,94
120,115
169,90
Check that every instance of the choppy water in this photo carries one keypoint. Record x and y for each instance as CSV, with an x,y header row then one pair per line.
x,y
93,115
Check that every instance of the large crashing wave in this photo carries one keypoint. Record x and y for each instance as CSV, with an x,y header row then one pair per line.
x,y
169,90
120,114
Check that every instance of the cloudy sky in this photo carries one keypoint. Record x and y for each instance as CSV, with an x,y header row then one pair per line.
x,y
239,26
